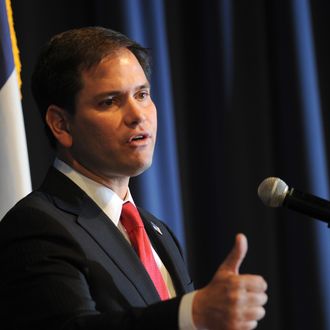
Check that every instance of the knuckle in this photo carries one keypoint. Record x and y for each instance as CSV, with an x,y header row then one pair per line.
x,y
233,325
260,313
236,282
252,325
238,325
263,299
258,299
262,282
255,314
236,298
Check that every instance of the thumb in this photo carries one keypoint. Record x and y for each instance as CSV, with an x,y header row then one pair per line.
x,y
236,255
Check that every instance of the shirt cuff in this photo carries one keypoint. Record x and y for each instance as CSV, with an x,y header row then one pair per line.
x,y
185,312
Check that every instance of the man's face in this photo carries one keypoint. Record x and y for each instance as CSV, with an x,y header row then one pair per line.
x,y
114,126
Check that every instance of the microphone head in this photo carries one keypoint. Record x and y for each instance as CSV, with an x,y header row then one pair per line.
x,y
272,191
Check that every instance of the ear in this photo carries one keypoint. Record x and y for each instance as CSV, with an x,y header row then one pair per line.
x,y
58,120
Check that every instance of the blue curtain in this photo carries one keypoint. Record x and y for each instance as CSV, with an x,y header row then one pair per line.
x,y
314,137
158,189
219,65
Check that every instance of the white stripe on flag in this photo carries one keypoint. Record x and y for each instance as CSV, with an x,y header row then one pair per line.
x,y
15,180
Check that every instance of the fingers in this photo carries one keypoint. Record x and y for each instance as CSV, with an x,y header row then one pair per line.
x,y
245,282
247,325
244,301
250,282
238,311
236,255
257,299
246,316
244,295
254,313
231,300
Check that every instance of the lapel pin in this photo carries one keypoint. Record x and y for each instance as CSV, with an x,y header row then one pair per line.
x,y
157,228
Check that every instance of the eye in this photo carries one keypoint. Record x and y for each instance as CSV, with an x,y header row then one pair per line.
x,y
142,95
108,102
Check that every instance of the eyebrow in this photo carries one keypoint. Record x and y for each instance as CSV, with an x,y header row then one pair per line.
x,y
118,92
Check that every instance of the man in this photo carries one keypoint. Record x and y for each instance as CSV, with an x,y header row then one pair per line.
x,y
68,257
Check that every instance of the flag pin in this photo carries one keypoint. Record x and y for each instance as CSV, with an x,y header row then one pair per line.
x,y
157,229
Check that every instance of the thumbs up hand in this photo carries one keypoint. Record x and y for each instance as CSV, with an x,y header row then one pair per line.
x,y
231,301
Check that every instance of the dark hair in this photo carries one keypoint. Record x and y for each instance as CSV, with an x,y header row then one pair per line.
x,y
57,75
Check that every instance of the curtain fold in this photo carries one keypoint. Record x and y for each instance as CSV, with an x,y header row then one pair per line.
x,y
314,141
158,189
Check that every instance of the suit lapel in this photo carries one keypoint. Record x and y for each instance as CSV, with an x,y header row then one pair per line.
x,y
168,252
107,235
70,198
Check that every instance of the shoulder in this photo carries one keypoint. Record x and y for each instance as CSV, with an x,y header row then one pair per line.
x,y
33,216
35,202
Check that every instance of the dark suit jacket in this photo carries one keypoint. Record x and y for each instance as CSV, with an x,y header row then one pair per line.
x,y
64,265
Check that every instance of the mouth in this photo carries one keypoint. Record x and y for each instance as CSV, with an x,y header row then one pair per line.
x,y
138,139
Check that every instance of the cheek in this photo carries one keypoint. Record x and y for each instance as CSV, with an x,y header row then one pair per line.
x,y
153,118
155,122
102,138
88,134
99,127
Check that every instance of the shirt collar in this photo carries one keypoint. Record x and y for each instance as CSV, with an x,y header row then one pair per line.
x,y
109,202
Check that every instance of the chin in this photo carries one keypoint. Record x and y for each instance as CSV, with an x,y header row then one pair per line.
x,y
140,169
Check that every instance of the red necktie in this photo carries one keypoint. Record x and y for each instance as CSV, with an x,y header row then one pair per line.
x,y
131,220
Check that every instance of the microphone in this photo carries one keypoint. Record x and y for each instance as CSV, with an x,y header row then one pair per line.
x,y
274,192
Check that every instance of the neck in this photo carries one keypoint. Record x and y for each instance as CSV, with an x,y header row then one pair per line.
x,y
118,184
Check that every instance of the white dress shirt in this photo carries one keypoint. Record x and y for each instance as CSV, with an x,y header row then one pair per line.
x,y
111,204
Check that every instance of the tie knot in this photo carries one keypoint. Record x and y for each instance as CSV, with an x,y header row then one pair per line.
x,y
130,217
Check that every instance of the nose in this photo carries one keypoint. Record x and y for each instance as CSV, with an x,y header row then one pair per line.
x,y
134,113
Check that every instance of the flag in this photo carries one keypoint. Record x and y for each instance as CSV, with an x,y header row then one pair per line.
x,y
15,181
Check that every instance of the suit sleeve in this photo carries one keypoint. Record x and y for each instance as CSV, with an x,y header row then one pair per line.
x,y
44,282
